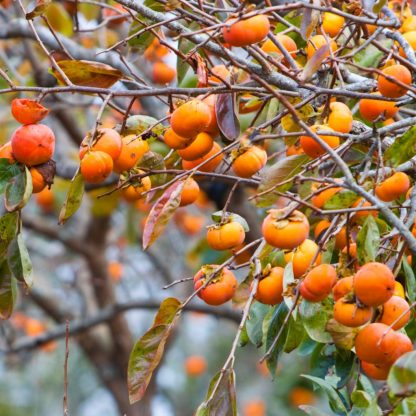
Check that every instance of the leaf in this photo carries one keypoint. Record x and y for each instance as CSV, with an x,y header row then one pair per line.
x,y
326,257
315,317
342,199
184,46
364,404
289,283
73,198
312,411
143,40
242,292
59,19
403,148
310,20
295,334
217,217
368,241
161,213
410,281
8,292
371,56
148,350
226,118
138,124
220,399
87,73
314,63
254,323
18,191
7,171
154,5
19,261
281,171
154,161
40,8
402,375
335,402
342,336
8,230
379,5
279,315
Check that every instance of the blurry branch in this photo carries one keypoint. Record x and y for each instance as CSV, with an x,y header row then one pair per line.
x,y
106,314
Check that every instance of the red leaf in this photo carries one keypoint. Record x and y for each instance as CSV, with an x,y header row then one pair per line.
x,y
227,120
161,213
201,72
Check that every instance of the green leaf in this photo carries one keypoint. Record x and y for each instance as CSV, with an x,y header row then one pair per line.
x,y
59,19
7,291
184,46
254,323
364,404
335,401
148,350
403,148
342,199
139,124
7,171
312,411
279,315
155,5
370,56
281,171
8,230
315,317
295,334
144,38
73,198
410,281
402,375
217,217
368,241
18,191
19,261
154,161
329,251
220,399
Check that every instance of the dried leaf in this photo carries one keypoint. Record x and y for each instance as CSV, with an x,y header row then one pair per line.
x,y
73,199
226,117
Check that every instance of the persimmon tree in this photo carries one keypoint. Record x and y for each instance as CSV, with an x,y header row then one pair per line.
x,y
294,119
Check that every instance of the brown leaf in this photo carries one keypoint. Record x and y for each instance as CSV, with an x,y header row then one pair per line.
x,y
88,73
227,120
201,71
342,336
310,20
314,63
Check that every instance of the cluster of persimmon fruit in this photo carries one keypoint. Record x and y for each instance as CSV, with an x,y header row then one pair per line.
x,y
162,72
32,144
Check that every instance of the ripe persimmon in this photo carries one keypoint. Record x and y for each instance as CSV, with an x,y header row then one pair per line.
x,y
135,191
362,213
115,270
155,51
38,181
332,23
246,31
393,187
316,42
6,152
321,198
45,199
163,73
286,41
106,140
371,110
27,111
312,148
174,141
343,287
270,287
352,315
398,289
392,310
219,73
191,118
303,256
220,289
225,236
212,127
408,25
375,371
33,144
199,147
374,284
209,166
96,166
254,408
340,118
190,192
285,233
250,162
299,396
132,150
318,283
392,89
195,365
112,14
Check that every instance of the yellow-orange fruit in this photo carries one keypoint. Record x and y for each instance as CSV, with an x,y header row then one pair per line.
x,y
320,199
209,166
250,162
393,187
316,42
132,150
303,256
135,191
27,111
270,287
351,315
312,148
392,310
38,181
190,192
318,283
375,371
343,287
287,42
107,141
372,110
332,23
163,73
392,89
96,166
340,118
225,236
199,147
246,32
174,141
195,365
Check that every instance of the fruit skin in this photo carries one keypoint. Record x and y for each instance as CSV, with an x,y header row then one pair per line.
x,y
340,237
199,147
398,289
174,141
371,110
220,290
343,287
135,191
246,32
195,365
96,166
132,150
349,314
318,283
375,371
6,152
33,144
27,111
212,128
190,192
226,236
393,187
250,162
315,42
312,148
340,118
254,408
301,396
363,213
107,141
332,23
286,233
270,288
208,166
163,73
320,199
374,284
391,89
191,118
302,257
46,200
286,41
38,181
394,308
